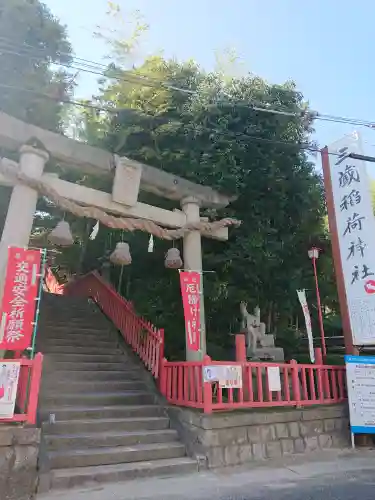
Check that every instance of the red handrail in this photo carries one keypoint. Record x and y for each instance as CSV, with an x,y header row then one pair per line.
x,y
144,338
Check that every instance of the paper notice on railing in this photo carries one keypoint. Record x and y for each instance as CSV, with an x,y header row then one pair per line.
x,y
274,379
9,374
228,376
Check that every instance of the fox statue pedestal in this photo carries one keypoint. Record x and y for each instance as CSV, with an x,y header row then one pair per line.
x,y
260,345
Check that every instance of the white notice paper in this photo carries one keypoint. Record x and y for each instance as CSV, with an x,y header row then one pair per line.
x,y
274,379
9,374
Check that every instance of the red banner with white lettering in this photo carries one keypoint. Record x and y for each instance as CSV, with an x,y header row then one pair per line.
x,y
190,282
19,299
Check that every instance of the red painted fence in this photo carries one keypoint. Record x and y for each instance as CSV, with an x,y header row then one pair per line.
x,y
146,340
28,390
182,382
301,385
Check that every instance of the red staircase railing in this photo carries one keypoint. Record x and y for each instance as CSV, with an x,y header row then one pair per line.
x,y
146,340
182,382
28,389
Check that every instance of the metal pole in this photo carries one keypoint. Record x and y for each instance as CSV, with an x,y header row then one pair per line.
x,y
319,310
42,270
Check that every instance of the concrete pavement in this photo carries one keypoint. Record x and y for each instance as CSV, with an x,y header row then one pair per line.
x,y
330,475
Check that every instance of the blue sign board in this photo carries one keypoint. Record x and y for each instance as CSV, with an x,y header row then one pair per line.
x,y
360,376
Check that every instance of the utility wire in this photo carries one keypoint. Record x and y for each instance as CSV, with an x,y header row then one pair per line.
x,y
237,135
101,70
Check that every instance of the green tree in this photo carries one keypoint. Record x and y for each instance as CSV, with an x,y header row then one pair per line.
x,y
210,134
31,41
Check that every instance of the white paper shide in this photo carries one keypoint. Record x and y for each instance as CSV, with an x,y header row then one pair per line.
x,y
9,375
356,235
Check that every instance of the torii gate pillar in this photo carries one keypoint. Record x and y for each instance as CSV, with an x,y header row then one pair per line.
x,y
192,252
22,207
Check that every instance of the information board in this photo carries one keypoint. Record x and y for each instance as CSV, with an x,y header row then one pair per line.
x,y
360,375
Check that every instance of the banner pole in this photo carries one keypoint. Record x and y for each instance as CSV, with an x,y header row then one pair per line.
x,y
42,270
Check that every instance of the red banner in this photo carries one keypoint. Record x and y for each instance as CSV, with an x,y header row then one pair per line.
x,y
19,299
190,290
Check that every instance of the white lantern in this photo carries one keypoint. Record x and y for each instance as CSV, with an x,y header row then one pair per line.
x,y
313,253
173,259
61,235
121,255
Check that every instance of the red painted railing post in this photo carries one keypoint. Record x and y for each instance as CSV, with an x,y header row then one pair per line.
x,y
241,358
207,388
240,347
163,377
318,356
295,383
36,374
161,350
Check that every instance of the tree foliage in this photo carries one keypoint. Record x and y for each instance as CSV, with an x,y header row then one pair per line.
x,y
31,41
210,134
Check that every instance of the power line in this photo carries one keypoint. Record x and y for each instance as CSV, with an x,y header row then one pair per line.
x,y
300,146
99,69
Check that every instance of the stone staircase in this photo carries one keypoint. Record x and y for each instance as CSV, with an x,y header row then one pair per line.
x,y
99,411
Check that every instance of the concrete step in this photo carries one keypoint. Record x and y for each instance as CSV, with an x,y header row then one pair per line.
x,y
89,320
58,400
89,337
87,367
89,358
100,412
71,478
86,386
114,455
103,425
76,342
108,439
94,324
69,349
60,375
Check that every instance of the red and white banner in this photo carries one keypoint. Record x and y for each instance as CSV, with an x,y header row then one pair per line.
x,y
306,313
191,299
19,299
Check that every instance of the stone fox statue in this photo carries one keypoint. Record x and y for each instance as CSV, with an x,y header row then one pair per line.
x,y
251,324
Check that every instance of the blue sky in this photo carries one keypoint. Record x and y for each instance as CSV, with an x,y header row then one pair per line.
x,y
326,46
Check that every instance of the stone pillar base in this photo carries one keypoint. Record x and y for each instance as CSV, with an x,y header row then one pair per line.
x,y
19,450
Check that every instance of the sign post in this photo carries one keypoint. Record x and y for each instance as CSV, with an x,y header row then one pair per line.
x,y
352,226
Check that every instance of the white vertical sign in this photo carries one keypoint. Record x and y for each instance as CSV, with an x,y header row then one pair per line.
x,y
274,378
9,374
356,235
306,313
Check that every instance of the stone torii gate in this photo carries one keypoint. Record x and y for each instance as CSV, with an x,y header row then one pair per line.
x,y
37,145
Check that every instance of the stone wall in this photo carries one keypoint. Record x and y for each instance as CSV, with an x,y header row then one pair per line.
x,y
238,437
19,448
